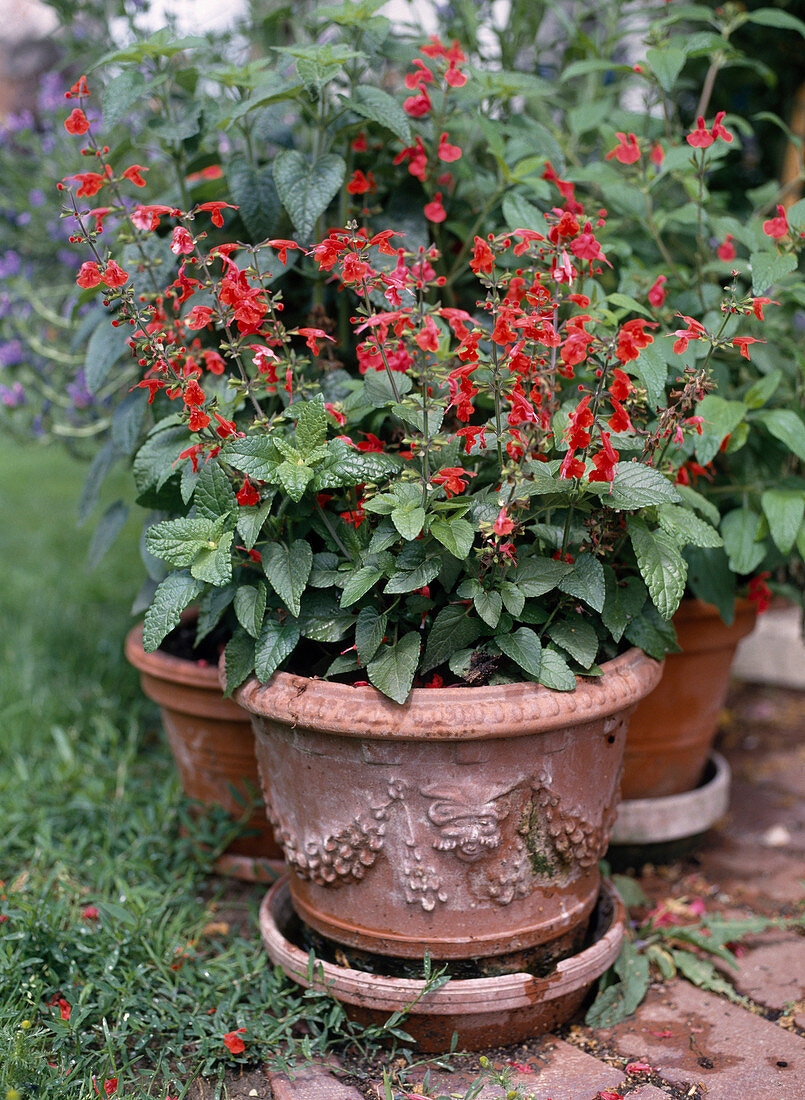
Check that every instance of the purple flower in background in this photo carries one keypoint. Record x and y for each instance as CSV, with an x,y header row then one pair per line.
x,y
24,120
11,353
9,264
23,218
37,197
51,92
12,397
78,392
68,258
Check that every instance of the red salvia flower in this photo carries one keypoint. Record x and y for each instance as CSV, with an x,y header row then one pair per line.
x,y
446,151
434,211
627,151
503,525
726,250
760,593
89,275
483,258
214,209
76,122
181,241
743,342
656,294
198,420
114,275
621,386
233,1042
451,478
247,497
359,184
772,227
700,138
134,174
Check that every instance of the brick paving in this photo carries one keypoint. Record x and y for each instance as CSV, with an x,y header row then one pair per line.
x,y
698,1045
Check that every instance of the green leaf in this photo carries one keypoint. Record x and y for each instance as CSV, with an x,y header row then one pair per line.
x,y
666,63
306,189
288,569
787,426
255,455
407,580
661,565
535,576
773,17
702,505
408,519
519,213
452,629
623,603
703,974
585,582
238,660
739,530
555,672
524,648
631,892
370,629
106,346
651,633
686,528
109,527
513,598
311,427
489,606
577,637
380,107
358,583
769,267
652,370
456,534
294,479
170,599
121,93
250,607
720,419
636,485
103,461
256,196
211,607
250,522
128,420
759,392
321,619
392,671
711,579
784,509
179,541
276,642
214,495
214,564
620,1000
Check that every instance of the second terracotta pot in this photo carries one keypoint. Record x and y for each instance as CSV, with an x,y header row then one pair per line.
x,y
468,822
212,743
672,730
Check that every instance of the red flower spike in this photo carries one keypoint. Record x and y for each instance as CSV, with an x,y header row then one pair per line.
x,y
772,227
434,211
503,525
134,174
114,275
181,242
700,138
198,420
89,275
605,462
720,131
446,151
451,478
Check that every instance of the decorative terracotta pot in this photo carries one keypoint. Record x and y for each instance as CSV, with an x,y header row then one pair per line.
x,y
213,745
486,1012
672,731
468,822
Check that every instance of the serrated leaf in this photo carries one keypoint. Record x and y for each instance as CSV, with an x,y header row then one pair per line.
x,y
392,671
370,629
513,598
519,213
250,522
711,579
179,541
407,580
636,485
211,607
769,267
106,346
666,63
652,633
255,455
276,642
620,1000
288,569
524,648
214,495
238,661
306,189
703,974
787,426
489,606
720,419
380,107
250,607
585,581
623,603
121,93
452,629
170,599
408,520
784,509
109,527
702,505
661,565
358,583
456,534
311,427
555,673
321,619
535,576
739,530
294,479
577,637
686,528
214,565
256,196
652,370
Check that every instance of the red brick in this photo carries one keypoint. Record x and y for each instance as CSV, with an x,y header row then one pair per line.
x,y
313,1082
774,973
718,1045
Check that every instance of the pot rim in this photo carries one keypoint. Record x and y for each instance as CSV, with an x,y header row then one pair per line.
x,y
505,991
164,666
449,713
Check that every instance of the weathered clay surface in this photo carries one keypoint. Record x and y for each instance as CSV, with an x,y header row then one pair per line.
x,y
467,823
671,732
483,1011
212,742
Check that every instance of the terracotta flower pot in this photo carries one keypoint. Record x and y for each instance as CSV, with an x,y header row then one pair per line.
x,y
672,730
492,1011
468,822
213,745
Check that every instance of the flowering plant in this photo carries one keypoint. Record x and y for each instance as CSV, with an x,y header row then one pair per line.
x,y
452,479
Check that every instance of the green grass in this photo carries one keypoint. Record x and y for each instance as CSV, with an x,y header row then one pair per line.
x,y
92,816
